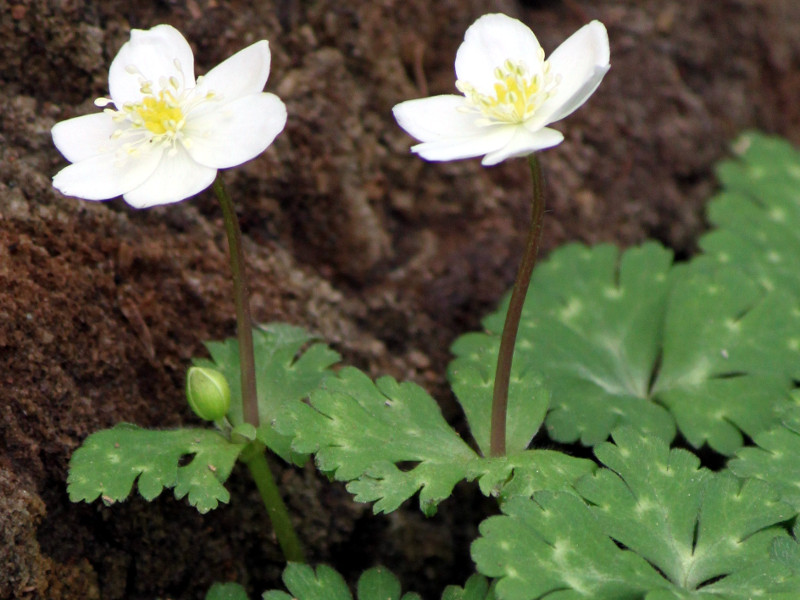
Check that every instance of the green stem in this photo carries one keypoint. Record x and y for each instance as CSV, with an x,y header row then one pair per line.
x,y
281,523
253,455
497,446
244,325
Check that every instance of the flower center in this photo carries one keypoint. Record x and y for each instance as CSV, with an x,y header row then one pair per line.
x,y
517,93
161,115
158,119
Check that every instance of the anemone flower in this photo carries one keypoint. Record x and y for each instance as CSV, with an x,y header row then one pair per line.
x,y
510,93
163,135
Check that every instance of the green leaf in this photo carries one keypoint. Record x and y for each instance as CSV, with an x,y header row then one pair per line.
x,y
288,369
473,380
627,339
476,588
758,214
591,325
786,551
776,577
655,525
226,591
389,440
527,472
727,365
359,430
110,461
775,459
326,584
304,584
692,524
244,431
552,543
377,583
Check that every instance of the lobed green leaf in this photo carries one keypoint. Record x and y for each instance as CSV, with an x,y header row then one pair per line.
x,y
476,588
727,364
653,525
628,339
528,399
775,458
360,430
757,216
304,583
552,546
527,472
591,325
389,440
109,462
694,525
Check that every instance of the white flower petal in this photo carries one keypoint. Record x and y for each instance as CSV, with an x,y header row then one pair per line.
x,y
436,118
106,175
153,52
503,119
581,62
235,132
83,137
242,74
149,161
494,138
176,178
488,43
523,143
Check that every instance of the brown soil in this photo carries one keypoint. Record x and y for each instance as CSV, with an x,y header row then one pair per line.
x,y
386,257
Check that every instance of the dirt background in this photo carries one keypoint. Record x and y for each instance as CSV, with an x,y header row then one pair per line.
x,y
384,256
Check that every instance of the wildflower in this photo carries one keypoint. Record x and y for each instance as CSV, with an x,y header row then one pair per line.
x,y
510,92
163,135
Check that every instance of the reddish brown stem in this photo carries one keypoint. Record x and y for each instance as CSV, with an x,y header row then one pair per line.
x,y
497,446
244,324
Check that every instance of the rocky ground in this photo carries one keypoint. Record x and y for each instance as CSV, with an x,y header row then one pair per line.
x,y
384,256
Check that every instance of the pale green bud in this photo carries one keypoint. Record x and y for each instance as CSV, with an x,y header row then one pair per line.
x,y
208,393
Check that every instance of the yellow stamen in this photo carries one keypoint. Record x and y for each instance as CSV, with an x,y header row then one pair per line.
x,y
517,95
158,119
161,115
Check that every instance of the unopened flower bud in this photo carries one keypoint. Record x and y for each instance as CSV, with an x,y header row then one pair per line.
x,y
208,393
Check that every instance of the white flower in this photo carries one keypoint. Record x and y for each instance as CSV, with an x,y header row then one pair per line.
x,y
168,134
510,92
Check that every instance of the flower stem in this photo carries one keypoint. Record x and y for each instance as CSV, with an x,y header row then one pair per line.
x,y
281,523
497,446
244,324
254,455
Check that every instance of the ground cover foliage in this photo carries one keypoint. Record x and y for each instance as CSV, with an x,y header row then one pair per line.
x,y
625,351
